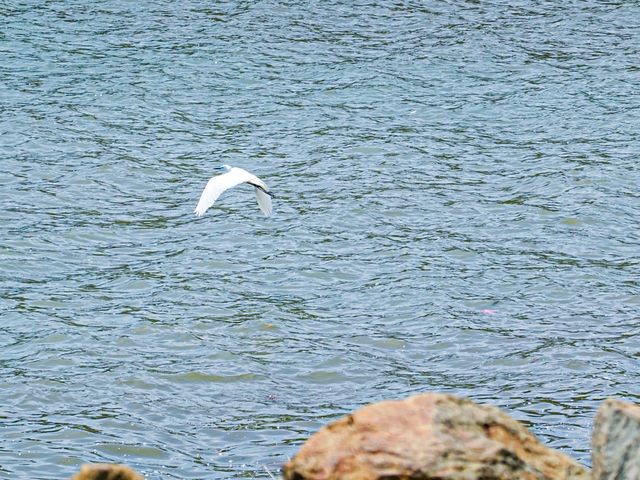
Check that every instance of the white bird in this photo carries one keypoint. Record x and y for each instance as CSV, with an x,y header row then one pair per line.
x,y
231,177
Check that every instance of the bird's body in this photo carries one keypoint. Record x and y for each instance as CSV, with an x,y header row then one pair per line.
x,y
233,176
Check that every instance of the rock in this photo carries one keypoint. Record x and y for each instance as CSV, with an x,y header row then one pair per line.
x,y
105,471
616,441
429,436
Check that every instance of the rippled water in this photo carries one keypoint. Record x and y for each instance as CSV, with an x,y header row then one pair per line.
x,y
457,210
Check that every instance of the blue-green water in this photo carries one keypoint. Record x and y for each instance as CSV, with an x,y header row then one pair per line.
x,y
457,210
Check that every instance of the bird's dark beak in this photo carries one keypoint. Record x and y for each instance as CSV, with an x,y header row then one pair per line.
x,y
271,195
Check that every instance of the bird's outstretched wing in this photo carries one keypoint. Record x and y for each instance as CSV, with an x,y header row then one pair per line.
x,y
218,184
264,202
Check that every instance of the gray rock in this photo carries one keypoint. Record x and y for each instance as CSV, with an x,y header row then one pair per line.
x,y
616,441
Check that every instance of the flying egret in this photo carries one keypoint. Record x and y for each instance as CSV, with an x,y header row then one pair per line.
x,y
231,177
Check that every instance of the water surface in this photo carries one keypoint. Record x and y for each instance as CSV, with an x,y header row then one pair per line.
x,y
457,198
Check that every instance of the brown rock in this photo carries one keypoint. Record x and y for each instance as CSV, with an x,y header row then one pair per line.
x,y
105,471
429,436
616,441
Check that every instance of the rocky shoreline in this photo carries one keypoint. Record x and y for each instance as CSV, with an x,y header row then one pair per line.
x,y
436,436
